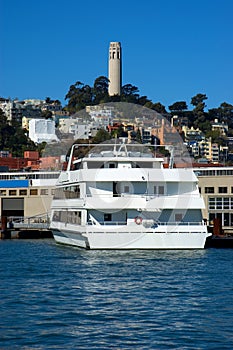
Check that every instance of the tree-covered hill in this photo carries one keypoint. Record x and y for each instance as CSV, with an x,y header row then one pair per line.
x,y
80,95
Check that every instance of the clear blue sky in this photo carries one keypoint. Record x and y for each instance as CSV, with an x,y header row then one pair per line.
x,y
172,49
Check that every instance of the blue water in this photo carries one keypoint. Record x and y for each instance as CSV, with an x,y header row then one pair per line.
x,y
55,297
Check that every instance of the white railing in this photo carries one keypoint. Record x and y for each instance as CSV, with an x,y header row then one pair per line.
x,y
145,195
41,221
156,223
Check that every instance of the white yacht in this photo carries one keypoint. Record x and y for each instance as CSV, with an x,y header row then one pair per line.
x,y
121,196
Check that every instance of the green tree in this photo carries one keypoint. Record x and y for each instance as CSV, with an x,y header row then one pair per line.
x,y
6,132
78,96
46,114
101,136
198,100
13,138
201,119
100,90
178,107
129,93
143,100
159,108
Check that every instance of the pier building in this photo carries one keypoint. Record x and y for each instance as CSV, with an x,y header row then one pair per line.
x,y
26,194
216,187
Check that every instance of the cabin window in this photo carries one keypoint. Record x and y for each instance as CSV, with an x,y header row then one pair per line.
x,y
161,190
72,192
114,190
107,217
56,216
209,189
178,217
2,192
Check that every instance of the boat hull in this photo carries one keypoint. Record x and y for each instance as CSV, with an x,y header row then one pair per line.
x,y
167,239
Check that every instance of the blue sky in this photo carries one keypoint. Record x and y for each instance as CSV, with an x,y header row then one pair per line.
x,y
172,50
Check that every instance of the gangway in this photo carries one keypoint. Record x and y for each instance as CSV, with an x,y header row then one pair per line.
x,y
37,222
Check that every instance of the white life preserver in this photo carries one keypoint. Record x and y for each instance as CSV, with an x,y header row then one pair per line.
x,y
138,220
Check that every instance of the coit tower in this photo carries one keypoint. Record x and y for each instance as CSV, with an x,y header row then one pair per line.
x,y
114,69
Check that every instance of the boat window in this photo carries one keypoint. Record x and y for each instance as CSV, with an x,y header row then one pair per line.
x,y
161,190
67,192
178,217
126,189
107,217
112,165
115,189
56,216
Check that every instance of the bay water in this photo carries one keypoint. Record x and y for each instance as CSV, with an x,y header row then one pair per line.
x,y
56,297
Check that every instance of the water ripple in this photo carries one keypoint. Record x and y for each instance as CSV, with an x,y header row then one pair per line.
x,y
55,297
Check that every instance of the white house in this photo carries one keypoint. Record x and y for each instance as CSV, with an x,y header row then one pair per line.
x,y
42,130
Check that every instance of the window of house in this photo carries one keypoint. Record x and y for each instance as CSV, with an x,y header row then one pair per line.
x,y
222,190
12,192
33,192
212,203
155,189
22,192
126,189
226,203
218,203
44,191
209,189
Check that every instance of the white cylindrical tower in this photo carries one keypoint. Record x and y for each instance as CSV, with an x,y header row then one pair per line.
x,y
114,69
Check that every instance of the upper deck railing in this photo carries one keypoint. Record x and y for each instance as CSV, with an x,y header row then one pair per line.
x,y
117,149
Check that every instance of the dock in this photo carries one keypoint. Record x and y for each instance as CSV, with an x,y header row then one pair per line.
x,y
25,227
219,241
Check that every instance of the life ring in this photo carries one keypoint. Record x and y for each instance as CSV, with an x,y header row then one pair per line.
x,y
138,220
